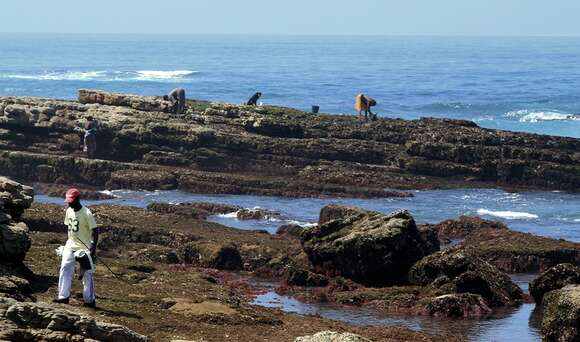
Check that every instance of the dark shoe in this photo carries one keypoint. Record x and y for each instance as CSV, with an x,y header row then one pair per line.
x,y
60,301
91,305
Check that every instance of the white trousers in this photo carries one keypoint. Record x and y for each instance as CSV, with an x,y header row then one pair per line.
x,y
67,270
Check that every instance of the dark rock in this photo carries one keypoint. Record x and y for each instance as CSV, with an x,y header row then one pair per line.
x,y
516,252
464,305
456,270
554,279
335,212
199,211
256,214
462,227
142,268
561,322
143,180
290,230
301,277
367,247
212,255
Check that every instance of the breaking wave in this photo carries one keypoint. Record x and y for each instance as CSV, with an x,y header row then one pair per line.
x,y
536,116
509,215
105,76
164,75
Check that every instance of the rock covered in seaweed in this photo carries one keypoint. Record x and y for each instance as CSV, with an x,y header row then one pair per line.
x,y
561,321
367,247
455,270
553,279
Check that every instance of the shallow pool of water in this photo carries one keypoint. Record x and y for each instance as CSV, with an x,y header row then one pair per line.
x,y
511,324
552,214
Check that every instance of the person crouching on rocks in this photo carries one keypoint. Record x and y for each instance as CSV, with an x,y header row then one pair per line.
x,y
81,245
364,103
90,138
254,99
177,99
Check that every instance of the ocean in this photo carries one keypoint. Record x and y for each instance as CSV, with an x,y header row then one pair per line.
x,y
518,84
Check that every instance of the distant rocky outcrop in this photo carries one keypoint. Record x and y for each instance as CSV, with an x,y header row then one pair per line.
x,y
235,149
554,279
561,321
200,211
367,247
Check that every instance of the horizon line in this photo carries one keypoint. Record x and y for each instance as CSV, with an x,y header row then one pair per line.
x,y
297,34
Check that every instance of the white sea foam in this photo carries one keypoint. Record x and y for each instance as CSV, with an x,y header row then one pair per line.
x,y
109,193
509,215
61,76
577,220
537,116
233,214
104,75
163,75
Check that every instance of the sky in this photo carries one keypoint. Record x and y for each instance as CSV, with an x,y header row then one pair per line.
x,y
299,17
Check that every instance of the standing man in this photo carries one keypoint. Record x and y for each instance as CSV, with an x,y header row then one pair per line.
x,y
90,138
83,236
177,98
364,103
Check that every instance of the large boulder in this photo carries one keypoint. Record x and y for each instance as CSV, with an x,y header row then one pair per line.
x,y
554,279
14,241
39,322
457,271
368,247
561,322
14,197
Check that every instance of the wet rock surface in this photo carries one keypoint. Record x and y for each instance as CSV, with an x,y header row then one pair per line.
x,y
463,226
456,271
224,148
517,252
367,247
561,322
554,279
200,211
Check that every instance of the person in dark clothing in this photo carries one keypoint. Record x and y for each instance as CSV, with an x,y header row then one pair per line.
x,y
90,138
177,98
254,99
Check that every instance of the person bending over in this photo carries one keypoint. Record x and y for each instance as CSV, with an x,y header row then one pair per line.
x,y
364,103
81,245
177,98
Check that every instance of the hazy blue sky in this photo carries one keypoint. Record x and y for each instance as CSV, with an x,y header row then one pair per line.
x,y
390,17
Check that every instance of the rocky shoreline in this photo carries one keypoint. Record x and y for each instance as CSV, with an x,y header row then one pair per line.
x,y
232,149
178,276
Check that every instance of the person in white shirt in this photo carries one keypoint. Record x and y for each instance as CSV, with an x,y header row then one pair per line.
x,y
83,236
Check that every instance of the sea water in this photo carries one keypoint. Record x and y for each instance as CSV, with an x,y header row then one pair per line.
x,y
551,214
522,84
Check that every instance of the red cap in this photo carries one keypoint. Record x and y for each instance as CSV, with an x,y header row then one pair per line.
x,y
72,195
